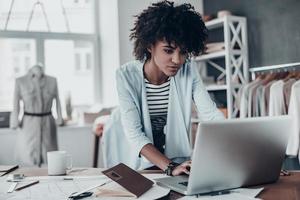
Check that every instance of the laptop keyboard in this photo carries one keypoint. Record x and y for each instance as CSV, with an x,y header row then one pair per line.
x,y
184,183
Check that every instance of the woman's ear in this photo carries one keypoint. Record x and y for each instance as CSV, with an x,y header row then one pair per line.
x,y
149,49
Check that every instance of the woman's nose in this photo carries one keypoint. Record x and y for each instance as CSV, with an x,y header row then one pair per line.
x,y
176,58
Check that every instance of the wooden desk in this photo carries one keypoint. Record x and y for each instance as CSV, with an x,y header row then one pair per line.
x,y
286,188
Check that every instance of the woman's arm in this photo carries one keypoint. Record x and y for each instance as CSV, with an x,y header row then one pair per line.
x,y
207,109
161,161
154,156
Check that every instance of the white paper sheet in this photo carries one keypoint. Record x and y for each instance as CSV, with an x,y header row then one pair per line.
x,y
154,193
231,196
51,189
248,192
55,188
65,177
236,194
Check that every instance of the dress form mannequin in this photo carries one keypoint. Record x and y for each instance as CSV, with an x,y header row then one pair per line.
x,y
37,70
37,129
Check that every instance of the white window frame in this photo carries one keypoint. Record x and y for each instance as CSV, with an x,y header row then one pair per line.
x,y
41,37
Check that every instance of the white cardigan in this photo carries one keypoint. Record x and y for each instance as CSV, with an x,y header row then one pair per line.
x,y
185,87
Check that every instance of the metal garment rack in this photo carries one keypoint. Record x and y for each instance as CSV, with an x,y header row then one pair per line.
x,y
271,68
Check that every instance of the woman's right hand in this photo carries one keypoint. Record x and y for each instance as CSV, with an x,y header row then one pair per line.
x,y
183,168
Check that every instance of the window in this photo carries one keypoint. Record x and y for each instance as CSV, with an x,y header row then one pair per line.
x,y
60,34
61,57
16,56
47,16
83,56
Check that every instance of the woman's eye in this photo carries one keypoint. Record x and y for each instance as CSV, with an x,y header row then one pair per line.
x,y
168,51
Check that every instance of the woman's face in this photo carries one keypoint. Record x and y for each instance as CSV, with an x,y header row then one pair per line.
x,y
167,57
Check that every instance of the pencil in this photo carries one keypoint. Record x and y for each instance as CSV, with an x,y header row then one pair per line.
x,y
28,185
10,170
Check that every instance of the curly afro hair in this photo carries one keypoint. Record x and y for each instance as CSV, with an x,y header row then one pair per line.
x,y
180,25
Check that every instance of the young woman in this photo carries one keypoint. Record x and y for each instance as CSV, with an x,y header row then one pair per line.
x,y
157,90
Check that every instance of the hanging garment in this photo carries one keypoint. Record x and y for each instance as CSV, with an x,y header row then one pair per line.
x,y
237,102
258,103
276,102
266,91
244,99
251,95
37,133
294,111
261,99
287,88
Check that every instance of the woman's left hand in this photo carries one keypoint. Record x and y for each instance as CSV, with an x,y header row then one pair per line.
x,y
183,168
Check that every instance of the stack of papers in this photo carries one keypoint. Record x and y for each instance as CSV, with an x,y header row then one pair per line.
x,y
58,188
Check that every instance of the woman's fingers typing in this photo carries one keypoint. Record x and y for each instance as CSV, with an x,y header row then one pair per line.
x,y
183,168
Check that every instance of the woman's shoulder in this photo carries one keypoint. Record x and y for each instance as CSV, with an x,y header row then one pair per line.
x,y
188,68
131,72
134,66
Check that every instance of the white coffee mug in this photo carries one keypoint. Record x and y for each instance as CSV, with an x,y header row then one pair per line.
x,y
58,162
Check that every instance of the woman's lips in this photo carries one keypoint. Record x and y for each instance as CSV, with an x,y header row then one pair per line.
x,y
174,68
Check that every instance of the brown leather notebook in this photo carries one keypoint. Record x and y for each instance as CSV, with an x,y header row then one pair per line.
x,y
128,178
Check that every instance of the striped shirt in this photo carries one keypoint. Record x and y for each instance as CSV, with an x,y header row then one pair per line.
x,y
158,99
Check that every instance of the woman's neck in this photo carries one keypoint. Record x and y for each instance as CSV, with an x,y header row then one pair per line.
x,y
153,74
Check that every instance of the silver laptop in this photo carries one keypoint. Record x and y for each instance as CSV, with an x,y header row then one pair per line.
x,y
234,153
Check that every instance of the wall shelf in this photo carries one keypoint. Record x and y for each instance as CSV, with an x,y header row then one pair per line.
x,y
217,54
216,87
234,58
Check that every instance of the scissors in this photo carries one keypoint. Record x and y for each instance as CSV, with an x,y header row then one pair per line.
x,y
81,196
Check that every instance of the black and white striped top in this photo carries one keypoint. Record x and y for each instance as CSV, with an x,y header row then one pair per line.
x,y
158,99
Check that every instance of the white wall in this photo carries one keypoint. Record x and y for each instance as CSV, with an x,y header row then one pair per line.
x,y
116,20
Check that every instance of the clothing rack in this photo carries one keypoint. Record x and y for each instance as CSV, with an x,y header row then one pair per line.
x,y
271,68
